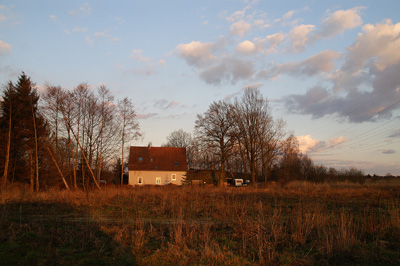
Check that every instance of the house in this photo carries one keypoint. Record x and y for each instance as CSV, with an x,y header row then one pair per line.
x,y
157,165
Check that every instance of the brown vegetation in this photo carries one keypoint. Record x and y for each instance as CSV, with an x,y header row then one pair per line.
x,y
298,224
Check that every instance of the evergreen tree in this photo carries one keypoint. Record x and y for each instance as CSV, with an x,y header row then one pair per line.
x,y
27,131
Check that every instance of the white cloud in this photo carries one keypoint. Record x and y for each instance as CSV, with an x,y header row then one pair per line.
x,y
337,141
196,53
5,13
84,10
253,85
246,47
316,64
79,29
260,23
287,17
270,43
147,70
307,144
5,48
137,55
365,85
240,14
53,17
300,36
381,41
240,28
341,21
228,70
231,95
237,15
104,33
165,104
115,39
145,116
161,62
322,62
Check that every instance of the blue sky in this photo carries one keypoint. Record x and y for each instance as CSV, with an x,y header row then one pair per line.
x,y
329,68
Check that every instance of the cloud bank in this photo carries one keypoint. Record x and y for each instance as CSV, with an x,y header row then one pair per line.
x,y
365,87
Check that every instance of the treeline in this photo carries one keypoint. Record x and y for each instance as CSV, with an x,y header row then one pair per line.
x,y
75,138
71,138
241,138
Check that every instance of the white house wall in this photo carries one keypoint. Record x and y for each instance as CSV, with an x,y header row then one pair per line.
x,y
149,177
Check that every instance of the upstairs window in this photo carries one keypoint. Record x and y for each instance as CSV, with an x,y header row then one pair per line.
x,y
173,177
158,180
140,180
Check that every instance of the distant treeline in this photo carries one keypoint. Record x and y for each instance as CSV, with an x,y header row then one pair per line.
x,y
76,138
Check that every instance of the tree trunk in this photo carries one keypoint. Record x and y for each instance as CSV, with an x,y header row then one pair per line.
x,y
36,151
58,168
83,153
253,171
122,158
222,176
31,171
5,175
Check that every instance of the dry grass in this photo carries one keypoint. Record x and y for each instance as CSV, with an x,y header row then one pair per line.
x,y
299,224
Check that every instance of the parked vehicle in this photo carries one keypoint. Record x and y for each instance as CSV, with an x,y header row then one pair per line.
x,y
240,183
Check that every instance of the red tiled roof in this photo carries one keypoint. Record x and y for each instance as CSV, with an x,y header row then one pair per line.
x,y
157,159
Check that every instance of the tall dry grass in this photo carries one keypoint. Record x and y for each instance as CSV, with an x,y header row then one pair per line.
x,y
300,223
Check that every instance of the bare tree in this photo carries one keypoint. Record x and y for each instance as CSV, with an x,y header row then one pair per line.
x,y
270,148
290,163
53,98
178,138
129,127
253,121
107,110
36,148
182,139
82,96
214,130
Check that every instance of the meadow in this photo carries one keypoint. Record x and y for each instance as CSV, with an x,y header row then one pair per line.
x,y
296,224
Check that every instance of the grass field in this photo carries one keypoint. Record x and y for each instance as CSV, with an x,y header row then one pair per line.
x,y
299,224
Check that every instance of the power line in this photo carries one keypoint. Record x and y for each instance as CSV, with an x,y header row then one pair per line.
x,y
356,107
369,131
371,116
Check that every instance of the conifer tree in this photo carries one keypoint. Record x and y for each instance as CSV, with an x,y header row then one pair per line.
x,y
26,126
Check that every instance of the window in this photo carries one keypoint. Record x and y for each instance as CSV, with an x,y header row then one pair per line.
x,y
173,177
176,163
140,159
158,180
140,180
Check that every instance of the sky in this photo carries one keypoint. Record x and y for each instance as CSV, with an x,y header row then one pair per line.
x,y
330,69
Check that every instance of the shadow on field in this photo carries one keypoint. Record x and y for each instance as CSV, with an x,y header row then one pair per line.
x,y
55,234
